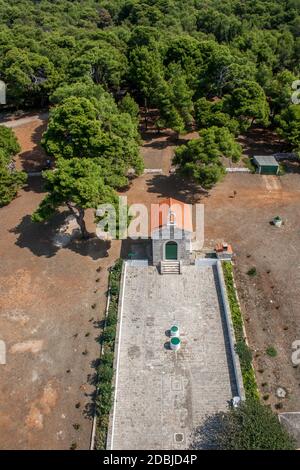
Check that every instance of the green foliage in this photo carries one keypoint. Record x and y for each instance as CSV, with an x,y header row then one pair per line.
x,y
252,272
10,180
248,102
271,351
76,181
102,100
249,164
105,372
208,114
223,26
104,399
200,159
168,91
278,88
289,126
9,145
109,335
251,426
134,44
74,130
241,347
128,105
30,76
244,353
105,368
10,183
94,128
236,313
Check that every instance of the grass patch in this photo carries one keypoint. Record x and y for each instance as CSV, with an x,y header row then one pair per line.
x,y
282,169
249,164
241,346
252,272
271,351
105,370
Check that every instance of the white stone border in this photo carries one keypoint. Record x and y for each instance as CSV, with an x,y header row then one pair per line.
x,y
227,312
231,335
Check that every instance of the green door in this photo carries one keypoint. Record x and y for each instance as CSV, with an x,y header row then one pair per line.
x,y
171,250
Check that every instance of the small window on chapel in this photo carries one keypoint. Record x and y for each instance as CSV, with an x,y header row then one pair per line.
x,y
172,218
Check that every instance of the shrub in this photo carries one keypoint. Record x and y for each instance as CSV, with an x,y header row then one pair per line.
x,y
250,385
114,288
241,347
252,272
249,164
244,353
105,369
250,426
104,399
109,335
107,358
105,372
101,432
10,183
271,351
233,302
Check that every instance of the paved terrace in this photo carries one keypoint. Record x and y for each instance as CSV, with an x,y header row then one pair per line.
x,y
162,395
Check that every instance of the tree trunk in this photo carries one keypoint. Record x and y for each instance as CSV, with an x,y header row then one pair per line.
x,y
81,223
78,213
146,114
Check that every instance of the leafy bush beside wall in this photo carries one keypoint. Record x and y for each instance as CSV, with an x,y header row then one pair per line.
x,y
241,346
105,369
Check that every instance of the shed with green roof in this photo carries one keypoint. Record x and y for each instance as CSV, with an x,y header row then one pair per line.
x,y
267,165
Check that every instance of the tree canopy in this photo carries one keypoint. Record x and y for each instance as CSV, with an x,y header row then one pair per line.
x,y
77,183
200,159
10,179
250,426
289,126
201,64
169,52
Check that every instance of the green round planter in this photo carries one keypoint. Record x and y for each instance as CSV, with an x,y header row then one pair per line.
x,y
175,343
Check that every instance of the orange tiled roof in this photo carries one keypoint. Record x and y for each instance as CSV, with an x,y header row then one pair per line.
x,y
224,247
171,211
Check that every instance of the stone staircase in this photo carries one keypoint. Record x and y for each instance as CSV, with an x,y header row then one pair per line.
x,y
170,267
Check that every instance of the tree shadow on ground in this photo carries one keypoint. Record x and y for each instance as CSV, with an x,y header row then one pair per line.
x,y
175,187
207,435
36,158
291,166
260,141
140,249
38,238
163,139
152,141
35,184
92,379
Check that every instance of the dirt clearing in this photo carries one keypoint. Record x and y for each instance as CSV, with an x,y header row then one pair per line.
x,y
52,299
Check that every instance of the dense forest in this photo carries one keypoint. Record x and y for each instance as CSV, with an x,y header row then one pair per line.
x,y
217,66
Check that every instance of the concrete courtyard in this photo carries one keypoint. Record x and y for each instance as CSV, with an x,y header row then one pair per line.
x,y
161,396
